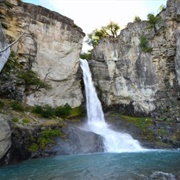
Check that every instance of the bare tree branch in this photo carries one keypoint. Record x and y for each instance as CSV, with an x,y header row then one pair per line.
x,y
11,43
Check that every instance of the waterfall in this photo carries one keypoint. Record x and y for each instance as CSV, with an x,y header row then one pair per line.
x,y
113,141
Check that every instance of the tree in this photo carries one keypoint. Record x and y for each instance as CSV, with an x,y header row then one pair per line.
x,y
95,36
161,8
111,30
13,74
137,19
31,82
152,21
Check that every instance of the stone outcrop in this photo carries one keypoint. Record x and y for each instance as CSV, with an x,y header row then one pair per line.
x,y
147,81
5,136
79,141
50,46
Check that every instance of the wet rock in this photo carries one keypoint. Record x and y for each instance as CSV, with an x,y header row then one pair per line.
x,y
79,141
159,175
5,137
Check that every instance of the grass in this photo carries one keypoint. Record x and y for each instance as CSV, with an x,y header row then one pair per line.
x,y
143,123
26,121
17,106
15,119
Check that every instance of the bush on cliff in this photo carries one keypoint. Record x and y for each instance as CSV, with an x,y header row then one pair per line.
x,y
63,111
49,112
144,44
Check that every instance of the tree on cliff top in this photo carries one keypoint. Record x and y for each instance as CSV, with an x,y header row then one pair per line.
x,y
111,30
153,21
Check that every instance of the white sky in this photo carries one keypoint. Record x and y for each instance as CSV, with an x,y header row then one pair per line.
x,y
92,14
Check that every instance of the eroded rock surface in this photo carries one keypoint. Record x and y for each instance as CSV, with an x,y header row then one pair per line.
x,y
5,136
147,81
50,46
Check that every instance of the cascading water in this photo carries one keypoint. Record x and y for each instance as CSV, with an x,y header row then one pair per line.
x,y
113,141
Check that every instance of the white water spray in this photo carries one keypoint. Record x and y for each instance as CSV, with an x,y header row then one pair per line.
x,y
113,141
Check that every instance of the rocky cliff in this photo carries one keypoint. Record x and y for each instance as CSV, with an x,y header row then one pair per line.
x,y
50,46
126,76
5,136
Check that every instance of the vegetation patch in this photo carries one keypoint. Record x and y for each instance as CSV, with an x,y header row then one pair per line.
x,y
143,123
44,111
2,104
15,119
144,44
137,19
34,147
77,112
26,121
46,137
86,55
17,106
63,111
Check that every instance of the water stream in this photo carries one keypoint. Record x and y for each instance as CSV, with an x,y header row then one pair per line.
x,y
113,141
148,165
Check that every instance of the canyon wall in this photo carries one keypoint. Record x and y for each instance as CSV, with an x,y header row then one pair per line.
x,y
50,45
127,76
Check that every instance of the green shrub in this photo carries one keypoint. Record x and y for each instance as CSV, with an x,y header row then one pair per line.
x,y
86,56
42,141
37,109
17,106
77,111
51,133
45,111
63,111
144,44
34,147
137,19
26,121
2,104
15,119
47,137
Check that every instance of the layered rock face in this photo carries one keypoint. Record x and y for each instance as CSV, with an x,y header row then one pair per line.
x,y
5,136
126,75
50,46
